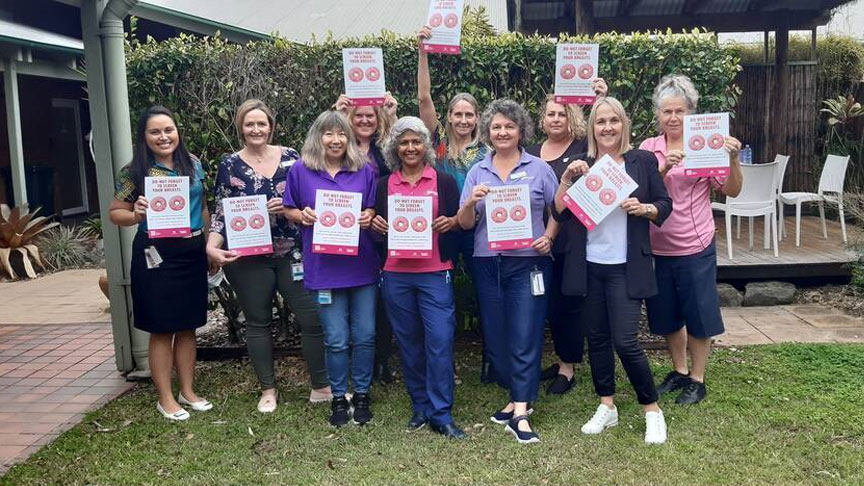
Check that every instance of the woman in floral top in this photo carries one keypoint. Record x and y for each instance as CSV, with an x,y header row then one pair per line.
x,y
261,168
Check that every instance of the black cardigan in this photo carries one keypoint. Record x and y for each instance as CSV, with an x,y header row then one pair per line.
x,y
448,205
641,165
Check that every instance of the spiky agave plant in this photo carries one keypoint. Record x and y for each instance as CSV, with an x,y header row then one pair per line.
x,y
18,227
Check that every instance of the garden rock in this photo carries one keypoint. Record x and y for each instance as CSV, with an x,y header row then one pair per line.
x,y
729,296
768,293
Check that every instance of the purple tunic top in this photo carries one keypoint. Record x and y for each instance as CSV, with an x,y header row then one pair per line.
x,y
530,170
323,271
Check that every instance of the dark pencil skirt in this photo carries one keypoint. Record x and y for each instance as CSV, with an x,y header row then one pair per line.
x,y
173,296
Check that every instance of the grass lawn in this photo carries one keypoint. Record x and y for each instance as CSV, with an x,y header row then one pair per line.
x,y
775,415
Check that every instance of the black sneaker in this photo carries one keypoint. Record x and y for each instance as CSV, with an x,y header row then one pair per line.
x,y
362,413
693,393
340,411
418,420
673,381
560,385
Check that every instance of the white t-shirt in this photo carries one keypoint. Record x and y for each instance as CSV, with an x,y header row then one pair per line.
x,y
607,243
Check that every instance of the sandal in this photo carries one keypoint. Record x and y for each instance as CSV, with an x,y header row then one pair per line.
x,y
523,437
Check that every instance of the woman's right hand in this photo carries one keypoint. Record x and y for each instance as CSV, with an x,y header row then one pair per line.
x,y
380,225
308,216
343,103
673,158
139,208
477,194
217,257
423,34
574,169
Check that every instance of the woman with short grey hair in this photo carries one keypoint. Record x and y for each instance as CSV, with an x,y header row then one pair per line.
x,y
416,285
687,309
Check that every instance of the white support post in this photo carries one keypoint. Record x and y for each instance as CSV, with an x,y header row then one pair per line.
x,y
13,127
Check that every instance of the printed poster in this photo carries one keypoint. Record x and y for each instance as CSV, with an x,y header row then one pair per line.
x,y
508,217
168,211
247,225
595,195
364,75
410,234
575,71
445,20
337,231
704,145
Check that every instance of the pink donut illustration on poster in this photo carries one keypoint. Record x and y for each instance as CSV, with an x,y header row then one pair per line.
x,y
705,152
435,20
508,217
605,185
445,26
337,231
576,68
247,225
168,209
412,220
363,70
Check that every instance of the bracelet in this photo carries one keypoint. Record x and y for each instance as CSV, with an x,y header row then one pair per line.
x,y
567,183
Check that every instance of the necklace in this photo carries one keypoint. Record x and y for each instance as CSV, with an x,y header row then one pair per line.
x,y
258,158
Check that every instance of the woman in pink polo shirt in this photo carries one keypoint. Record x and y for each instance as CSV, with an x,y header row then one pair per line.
x,y
686,310
416,285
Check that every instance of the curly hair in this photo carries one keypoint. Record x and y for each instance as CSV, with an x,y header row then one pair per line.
x,y
512,111
402,126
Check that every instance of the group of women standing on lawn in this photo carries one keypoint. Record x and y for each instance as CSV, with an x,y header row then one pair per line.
x,y
657,247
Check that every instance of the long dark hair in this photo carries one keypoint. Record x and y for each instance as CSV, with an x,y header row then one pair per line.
x,y
142,158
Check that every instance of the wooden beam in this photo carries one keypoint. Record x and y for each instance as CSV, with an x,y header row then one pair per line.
x,y
691,6
780,98
584,13
626,6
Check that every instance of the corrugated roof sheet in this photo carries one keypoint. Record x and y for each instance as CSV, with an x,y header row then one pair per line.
x,y
38,38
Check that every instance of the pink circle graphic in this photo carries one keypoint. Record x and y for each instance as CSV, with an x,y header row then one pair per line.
x,y
518,213
435,20
400,224
697,142
256,221
716,141
419,224
499,215
328,218
158,204
373,74
568,71
347,220
238,223
593,182
451,20
607,196
585,71
177,203
355,74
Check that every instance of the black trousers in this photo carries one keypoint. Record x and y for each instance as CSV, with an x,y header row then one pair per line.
x,y
612,319
565,317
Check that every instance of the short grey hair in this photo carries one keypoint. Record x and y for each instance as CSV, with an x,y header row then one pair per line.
x,y
401,127
675,86
512,111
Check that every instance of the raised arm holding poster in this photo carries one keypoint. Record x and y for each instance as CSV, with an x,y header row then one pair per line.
x,y
337,230
247,225
363,69
705,154
445,22
595,195
508,217
576,68
168,207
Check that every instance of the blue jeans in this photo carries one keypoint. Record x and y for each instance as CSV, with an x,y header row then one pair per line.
x,y
420,307
349,322
513,320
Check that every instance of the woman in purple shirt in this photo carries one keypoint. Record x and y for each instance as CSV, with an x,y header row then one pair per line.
x,y
346,285
511,283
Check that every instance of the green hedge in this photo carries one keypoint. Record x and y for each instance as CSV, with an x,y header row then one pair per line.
x,y
203,80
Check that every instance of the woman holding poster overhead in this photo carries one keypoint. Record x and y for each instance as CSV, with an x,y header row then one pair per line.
x,y
686,309
169,275
330,191
260,168
416,208
611,265
505,199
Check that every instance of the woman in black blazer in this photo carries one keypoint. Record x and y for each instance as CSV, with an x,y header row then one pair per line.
x,y
612,267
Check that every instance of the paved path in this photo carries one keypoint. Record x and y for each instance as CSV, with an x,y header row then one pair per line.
x,y
789,323
56,359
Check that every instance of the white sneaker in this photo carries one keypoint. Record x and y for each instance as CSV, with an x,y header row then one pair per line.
x,y
603,418
655,428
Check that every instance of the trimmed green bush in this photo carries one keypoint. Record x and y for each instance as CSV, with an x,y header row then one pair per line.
x,y
204,79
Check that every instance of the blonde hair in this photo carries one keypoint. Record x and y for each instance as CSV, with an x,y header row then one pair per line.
x,y
452,152
575,118
383,130
313,152
618,109
244,109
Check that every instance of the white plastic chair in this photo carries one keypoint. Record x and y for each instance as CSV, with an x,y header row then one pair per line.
x,y
779,175
757,198
830,190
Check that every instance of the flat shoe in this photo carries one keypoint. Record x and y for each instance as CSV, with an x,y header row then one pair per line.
x,y
550,372
267,404
318,397
560,385
199,406
179,415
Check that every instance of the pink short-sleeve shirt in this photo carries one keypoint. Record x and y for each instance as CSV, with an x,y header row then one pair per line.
x,y
689,229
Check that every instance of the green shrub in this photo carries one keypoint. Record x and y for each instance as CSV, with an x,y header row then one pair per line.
x,y
840,58
203,80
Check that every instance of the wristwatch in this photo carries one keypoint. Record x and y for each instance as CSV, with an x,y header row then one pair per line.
x,y
648,210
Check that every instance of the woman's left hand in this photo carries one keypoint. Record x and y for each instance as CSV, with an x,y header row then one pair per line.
x,y
543,245
635,208
274,205
366,218
443,224
390,105
380,225
600,87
